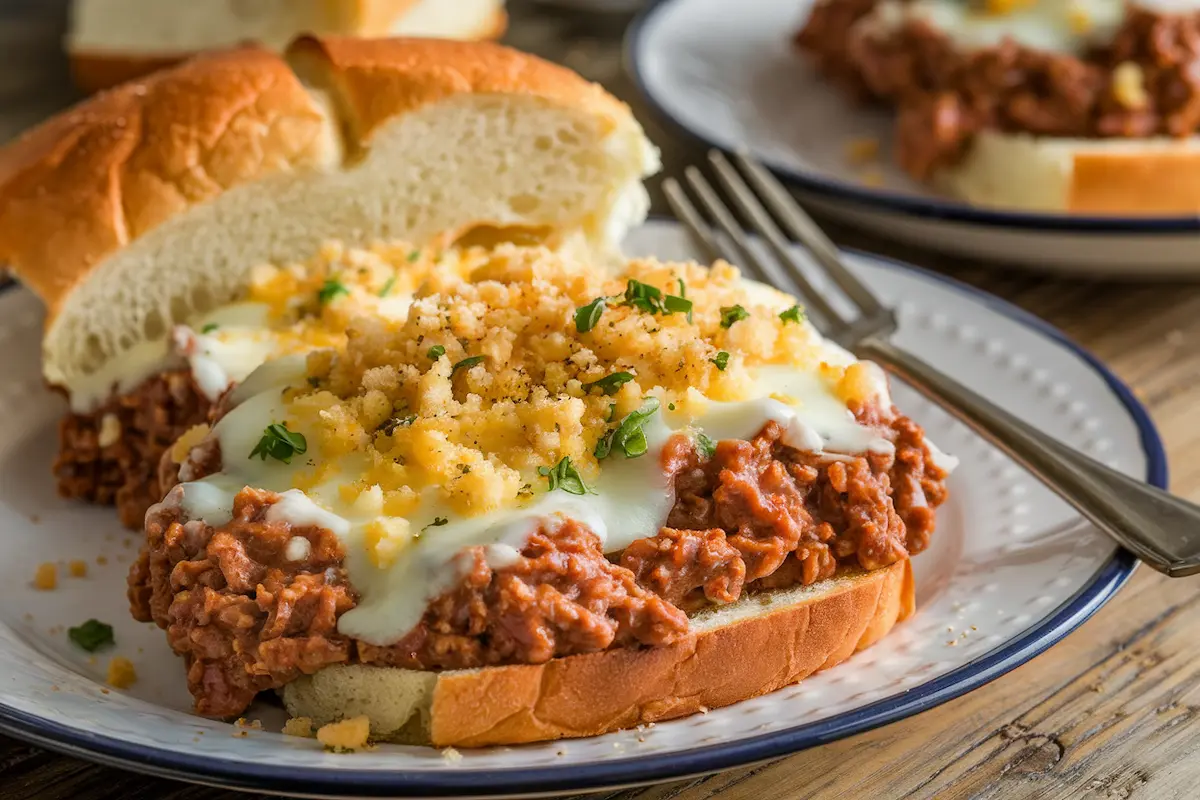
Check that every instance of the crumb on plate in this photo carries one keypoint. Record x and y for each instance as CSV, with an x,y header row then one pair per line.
x,y
46,577
299,726
121,674
347,735
862,150
451,755
77,569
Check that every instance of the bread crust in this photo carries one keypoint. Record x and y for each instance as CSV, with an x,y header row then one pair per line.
x,y
93,70
805,631
1157,182
376,79
96,177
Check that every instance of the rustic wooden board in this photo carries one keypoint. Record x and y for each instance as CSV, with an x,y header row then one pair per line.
x,y
1109,713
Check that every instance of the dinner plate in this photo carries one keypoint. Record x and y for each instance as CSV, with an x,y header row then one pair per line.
x,y
1011,570
728,74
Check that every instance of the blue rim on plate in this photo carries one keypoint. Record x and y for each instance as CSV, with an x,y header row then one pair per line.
x,y
898,202
655,768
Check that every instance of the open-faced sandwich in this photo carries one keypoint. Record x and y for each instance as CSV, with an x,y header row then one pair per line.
x,y
1051,105
113,41
145,217
543,502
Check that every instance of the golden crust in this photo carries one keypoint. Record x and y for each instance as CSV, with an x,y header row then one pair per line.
x,y
101,174
376,79
93,71
1152,182
593,694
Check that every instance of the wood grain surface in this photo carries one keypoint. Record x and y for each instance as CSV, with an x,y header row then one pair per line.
x,y
1111,712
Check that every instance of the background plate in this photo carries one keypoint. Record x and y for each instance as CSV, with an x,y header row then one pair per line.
x,y
728,74
1011,570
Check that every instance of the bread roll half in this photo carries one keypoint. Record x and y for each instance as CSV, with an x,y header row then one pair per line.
x,y
754,646
1088,176
153,201
112,41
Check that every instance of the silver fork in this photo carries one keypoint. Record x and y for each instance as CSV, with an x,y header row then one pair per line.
x,y
1160,529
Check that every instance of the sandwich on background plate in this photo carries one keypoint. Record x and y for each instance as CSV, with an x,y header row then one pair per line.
x,y
548,502
113,41
1082,106
145,217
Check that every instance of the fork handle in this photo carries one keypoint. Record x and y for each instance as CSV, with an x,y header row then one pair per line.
x,y
1160,529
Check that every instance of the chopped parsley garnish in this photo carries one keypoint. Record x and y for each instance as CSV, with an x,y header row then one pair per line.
x,y
643,296
609,384
387,286
389,426
612,410
563,475
587,316
670,406
413,256
705,446
628,437
732,314
331,290
91,635
436,352
722,360
466,363
678,305
794,314
437,523
210,327
279,443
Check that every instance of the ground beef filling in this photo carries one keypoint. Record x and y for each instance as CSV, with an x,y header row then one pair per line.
x,y
945,96
757,515
111,455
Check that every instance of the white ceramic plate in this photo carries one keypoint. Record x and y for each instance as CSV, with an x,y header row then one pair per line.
x,y
728,74
1011,570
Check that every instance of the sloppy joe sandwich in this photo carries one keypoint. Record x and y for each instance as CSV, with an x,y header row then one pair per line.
x,y
545,503
112,41
1049,105
149,207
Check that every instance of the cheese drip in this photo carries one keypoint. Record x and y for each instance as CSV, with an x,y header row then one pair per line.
x,y
630,499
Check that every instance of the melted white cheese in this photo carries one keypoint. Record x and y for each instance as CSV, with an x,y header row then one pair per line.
x,y
631,496
1061,26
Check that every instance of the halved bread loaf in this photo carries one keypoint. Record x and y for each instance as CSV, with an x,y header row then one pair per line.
x,y
112,41
154,201
757,645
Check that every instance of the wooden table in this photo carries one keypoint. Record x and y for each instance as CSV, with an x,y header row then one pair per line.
x,y
1111,712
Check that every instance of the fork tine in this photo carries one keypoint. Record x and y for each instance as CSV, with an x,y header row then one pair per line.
x,y
761,221
686,213
742,252
797,221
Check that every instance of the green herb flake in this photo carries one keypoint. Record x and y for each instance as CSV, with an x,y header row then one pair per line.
x,y
466,363
587,316
563,475
91,635
794,314
387,286
279,443
210,327
610,384
722,360
628,437
643,296
389,426
413,256
437,523
678,305
331,290
670,406
612,410
436,352
732,314
705,446
313,381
